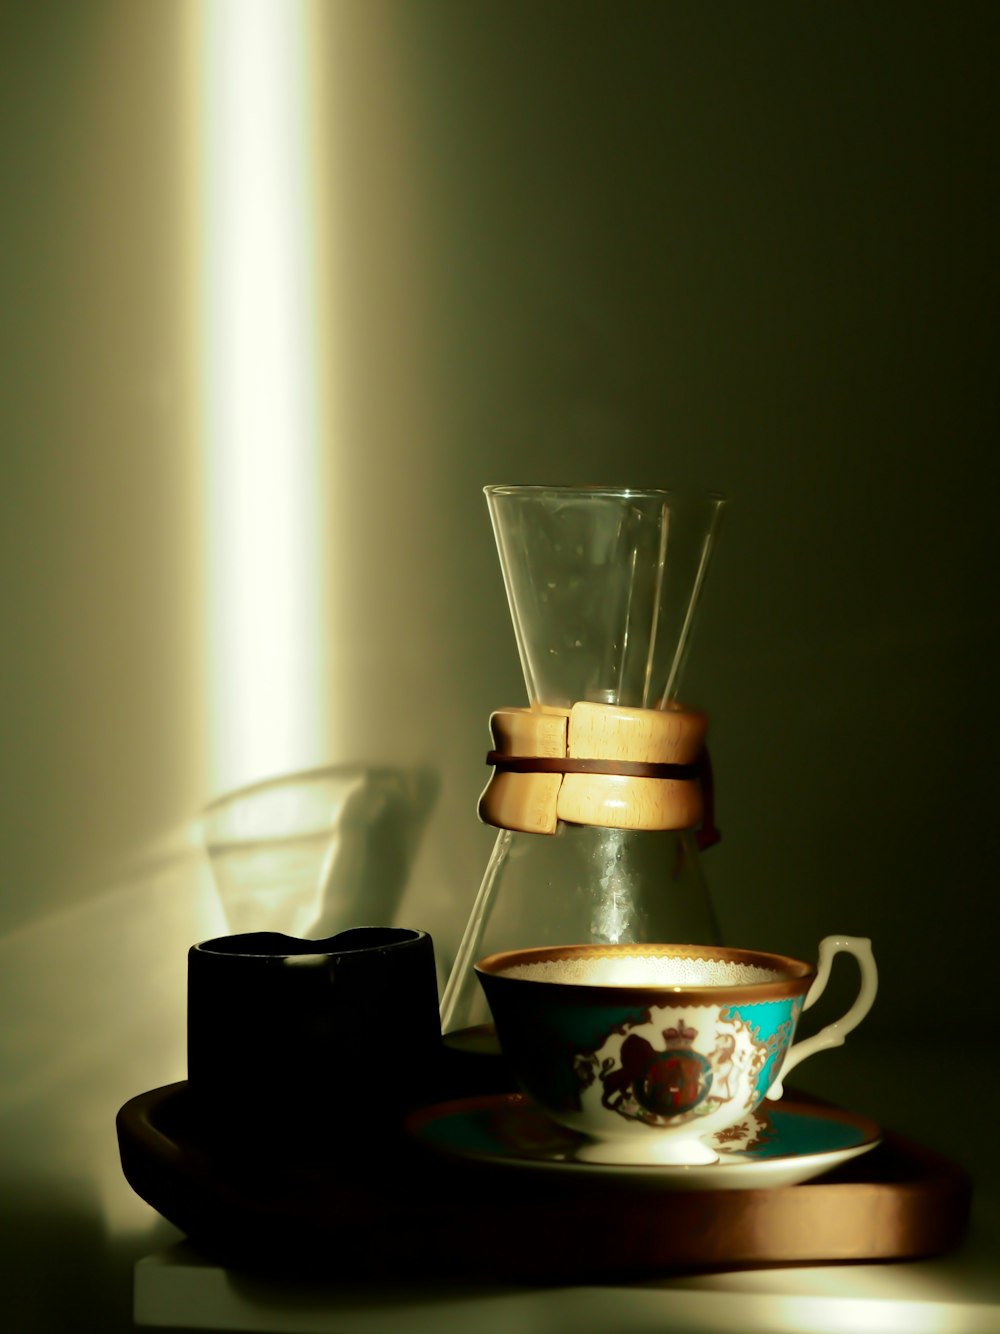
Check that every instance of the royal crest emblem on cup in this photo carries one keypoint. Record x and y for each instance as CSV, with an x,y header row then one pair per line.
x,y
671,1069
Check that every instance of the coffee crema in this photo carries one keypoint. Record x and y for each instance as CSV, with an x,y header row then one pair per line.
x,y
639,970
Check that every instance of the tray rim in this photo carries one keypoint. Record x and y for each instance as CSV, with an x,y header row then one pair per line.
x,y
506,1231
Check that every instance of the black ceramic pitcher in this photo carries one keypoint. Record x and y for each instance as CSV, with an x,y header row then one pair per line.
x,y
305,1046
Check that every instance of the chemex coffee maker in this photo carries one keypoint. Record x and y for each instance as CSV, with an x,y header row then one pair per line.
x,y
601,786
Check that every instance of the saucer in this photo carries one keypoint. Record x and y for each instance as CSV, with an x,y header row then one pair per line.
x,y
778,1145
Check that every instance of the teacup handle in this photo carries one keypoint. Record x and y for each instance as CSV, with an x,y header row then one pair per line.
x,y
834,1034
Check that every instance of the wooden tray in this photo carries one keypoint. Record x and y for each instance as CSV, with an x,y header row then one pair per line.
x,y
392,1212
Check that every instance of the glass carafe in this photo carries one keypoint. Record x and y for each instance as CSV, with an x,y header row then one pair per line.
x,y
603,584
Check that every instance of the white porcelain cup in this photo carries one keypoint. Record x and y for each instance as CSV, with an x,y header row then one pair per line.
x,y
648,1049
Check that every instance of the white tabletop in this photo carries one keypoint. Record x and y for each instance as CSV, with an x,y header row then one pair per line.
x,y
955,1295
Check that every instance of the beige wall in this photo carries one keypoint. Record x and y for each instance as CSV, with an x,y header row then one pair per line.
x,y
100,524
745,248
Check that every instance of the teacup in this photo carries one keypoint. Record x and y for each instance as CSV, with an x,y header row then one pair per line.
x,y
649,1049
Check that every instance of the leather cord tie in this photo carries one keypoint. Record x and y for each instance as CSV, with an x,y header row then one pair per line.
x,y
536,764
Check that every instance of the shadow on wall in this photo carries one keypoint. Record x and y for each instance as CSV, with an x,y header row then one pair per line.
x,y
62,1269
93,999
313,853
94,1004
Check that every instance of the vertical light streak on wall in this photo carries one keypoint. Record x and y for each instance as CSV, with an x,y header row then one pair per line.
x,y
265,590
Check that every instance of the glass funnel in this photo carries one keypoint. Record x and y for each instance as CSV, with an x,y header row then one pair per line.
x,y
603,585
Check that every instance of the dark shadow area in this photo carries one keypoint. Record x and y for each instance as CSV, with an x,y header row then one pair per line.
x,y
62,1271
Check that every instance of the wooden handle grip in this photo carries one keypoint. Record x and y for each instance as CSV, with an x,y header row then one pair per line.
x,y
536,802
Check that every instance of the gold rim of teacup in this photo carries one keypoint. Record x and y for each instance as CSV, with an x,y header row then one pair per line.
x,y
796,976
